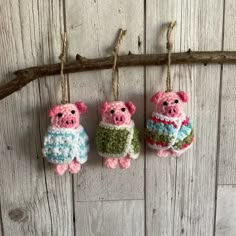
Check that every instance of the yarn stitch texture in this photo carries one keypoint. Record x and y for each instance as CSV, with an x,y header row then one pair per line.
x,y
117,141
115,106
164,132
62,145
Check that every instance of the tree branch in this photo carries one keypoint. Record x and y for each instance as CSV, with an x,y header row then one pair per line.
x,y
23,77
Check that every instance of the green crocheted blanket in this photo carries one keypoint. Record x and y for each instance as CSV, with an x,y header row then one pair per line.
x,y
117,141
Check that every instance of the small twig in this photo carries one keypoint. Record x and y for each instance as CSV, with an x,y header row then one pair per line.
x,y
115,73
25,76
80,58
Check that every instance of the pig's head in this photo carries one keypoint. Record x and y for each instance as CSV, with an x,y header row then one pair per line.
x,y
169,103
67,115
117,113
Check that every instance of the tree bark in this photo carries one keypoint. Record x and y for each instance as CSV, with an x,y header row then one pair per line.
x,y
25,76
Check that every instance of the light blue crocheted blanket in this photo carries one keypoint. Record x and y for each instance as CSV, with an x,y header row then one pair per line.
x,y
62,145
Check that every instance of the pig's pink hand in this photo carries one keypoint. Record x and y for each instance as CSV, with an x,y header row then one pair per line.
x,y
163,153
60,169
111,163
74,167
124,162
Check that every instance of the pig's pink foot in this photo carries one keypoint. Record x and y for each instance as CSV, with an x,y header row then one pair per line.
x,y
124,162
111,163
163,153
175,154
74,167
60,169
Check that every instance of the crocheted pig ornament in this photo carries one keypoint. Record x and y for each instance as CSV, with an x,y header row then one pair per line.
x,y
169,130
117,139
66,143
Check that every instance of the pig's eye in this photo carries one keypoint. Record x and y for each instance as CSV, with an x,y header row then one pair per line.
x,y
176,101
165,103
123,109
112,111
73,112
59,114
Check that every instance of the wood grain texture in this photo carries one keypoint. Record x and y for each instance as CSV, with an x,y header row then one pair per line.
x,y
196,171
178,197
226,208
95,37
160,173
106,218
227,153
189,194
32,201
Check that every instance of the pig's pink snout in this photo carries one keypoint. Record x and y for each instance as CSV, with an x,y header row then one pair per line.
x,y
68,122
172,111
118,119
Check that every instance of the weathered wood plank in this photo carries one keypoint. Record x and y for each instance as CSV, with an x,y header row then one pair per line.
x,y
92,28
196,171
106,218
227,161
33,201
226,208
160,173
189,194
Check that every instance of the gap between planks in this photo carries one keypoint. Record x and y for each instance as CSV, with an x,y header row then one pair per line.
x,y
114,200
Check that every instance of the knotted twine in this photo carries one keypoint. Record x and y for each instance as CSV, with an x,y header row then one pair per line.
x,y
115,71
64,81
169,46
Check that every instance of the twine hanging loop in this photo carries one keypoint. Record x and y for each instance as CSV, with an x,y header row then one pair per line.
x,y
115,71
169,47
62,57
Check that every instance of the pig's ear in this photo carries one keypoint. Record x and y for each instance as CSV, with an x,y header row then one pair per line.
x,y
82,108
131,107
53,111
103,108
183,96
156,97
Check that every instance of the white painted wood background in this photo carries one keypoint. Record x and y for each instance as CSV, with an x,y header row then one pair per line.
x,y
192,195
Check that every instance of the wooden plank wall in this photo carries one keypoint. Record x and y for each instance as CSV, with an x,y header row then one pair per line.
x,y
183,190
226,200
192,195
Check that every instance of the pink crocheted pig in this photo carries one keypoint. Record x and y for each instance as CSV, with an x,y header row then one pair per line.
x,y
66,143
116,137
169,130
